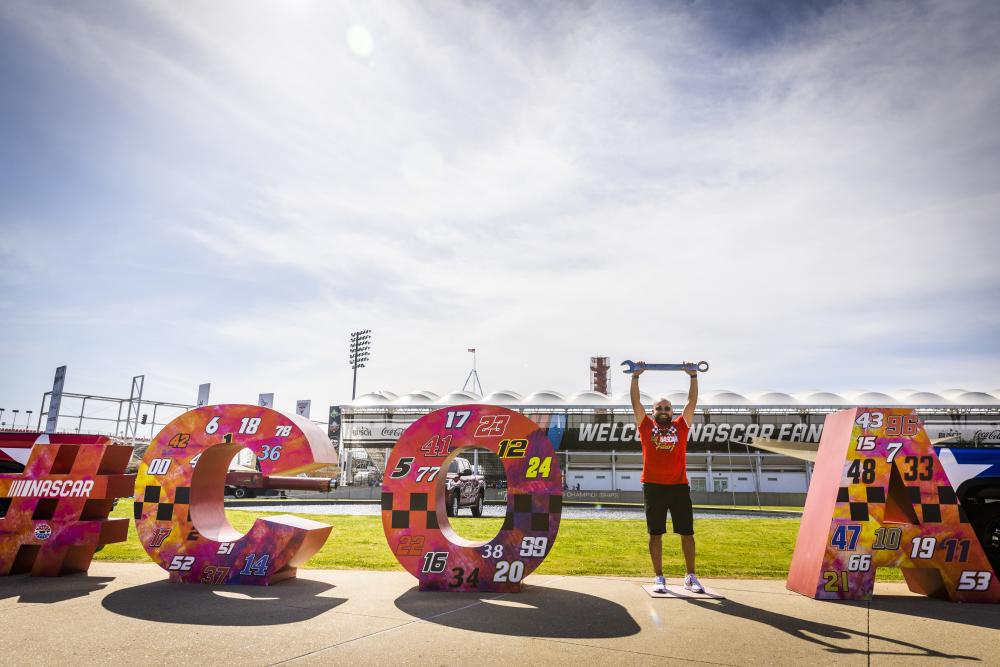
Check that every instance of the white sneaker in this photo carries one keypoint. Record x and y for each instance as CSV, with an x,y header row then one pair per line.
x,y
659,585
692,584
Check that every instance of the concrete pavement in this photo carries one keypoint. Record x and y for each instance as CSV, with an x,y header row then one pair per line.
x,y
129,614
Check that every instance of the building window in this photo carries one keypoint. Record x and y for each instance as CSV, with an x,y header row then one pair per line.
x,y
698,484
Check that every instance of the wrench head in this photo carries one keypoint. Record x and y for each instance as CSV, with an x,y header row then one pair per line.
x,y
631,366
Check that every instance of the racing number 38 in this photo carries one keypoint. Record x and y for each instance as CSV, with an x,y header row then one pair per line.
x,y
414,514
179,511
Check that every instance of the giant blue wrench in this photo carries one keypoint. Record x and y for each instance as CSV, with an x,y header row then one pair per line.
x,y
701,367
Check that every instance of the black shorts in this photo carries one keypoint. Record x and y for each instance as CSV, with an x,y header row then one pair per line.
x,y
673,497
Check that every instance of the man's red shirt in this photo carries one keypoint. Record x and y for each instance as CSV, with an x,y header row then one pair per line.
x,y
664,451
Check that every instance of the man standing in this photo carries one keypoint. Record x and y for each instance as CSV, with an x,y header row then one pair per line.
x,y
664,476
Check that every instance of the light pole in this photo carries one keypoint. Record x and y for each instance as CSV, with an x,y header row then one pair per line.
x,y
2,410
360,350
13,422
28,424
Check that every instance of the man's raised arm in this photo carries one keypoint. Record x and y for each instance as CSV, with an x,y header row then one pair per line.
x,y
637,409
692,398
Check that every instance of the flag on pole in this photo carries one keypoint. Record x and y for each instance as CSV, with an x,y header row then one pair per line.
x,y
472,349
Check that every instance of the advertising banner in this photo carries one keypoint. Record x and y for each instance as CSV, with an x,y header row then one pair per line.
x,y
617,431
55,400
333,425
203,391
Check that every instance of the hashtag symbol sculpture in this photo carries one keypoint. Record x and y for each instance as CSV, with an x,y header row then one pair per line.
x,y
59,505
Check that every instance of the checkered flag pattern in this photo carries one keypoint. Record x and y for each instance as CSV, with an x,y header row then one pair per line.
x,y
936,504
409,510
178,510
530,513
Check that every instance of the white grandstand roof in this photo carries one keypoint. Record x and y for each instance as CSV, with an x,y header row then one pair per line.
x,y
773,398
584,399
680,397
589,398
546,397
977,398
724,397
820,398
924,398
872,398
504,397
458,398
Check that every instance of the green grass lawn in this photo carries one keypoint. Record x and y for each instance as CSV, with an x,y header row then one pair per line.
x,y
736,548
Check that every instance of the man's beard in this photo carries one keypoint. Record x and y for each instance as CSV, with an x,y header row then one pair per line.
x,y
664,420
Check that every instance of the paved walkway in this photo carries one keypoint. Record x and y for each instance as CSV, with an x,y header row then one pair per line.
x,y
128,614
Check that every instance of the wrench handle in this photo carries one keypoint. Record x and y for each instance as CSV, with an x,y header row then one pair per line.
x,y
632,366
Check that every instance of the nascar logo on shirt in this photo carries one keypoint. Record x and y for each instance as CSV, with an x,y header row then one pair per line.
x,y
665,439
68,488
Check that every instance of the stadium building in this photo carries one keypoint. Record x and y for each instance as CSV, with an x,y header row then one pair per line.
x,y
599,452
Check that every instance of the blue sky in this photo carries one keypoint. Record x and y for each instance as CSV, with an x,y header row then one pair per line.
x,y
804,195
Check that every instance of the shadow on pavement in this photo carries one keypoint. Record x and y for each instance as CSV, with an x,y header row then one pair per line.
x,y
981,615
164,602
822,634
47,590
536,612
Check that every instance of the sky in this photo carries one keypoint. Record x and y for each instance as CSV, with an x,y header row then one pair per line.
x,y
806,195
